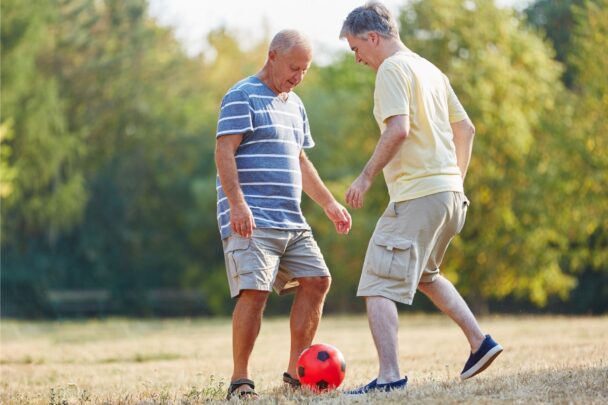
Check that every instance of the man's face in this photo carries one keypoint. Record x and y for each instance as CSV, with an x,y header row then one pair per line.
x,y
364,49
289,68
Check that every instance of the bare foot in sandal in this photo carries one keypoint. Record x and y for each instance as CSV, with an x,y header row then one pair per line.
x,y
242,388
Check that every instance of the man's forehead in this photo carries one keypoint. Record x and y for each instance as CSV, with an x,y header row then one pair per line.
x,y
298,53
352,40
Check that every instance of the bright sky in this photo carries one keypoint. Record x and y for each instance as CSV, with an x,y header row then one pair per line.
x,y
320,20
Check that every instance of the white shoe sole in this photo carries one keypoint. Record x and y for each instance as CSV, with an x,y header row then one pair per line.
x,y
483,363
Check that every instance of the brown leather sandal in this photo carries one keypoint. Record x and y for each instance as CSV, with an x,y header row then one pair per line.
x,y
242,394
292,382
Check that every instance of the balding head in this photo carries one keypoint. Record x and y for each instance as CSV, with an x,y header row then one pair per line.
x,y
289,57
285,40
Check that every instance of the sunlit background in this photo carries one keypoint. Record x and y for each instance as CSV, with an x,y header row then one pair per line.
x,y
108,121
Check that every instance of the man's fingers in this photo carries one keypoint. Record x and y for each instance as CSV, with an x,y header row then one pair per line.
x,y
351,197
347,220
355,200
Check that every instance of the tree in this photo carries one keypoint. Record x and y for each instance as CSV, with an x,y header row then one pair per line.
x,y
506,79
556,20
586,165
577,144
45,194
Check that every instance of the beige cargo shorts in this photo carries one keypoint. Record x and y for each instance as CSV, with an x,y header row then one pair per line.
x,y
409,243
272,258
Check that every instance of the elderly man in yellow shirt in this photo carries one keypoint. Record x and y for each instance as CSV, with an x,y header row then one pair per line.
x,y
424,151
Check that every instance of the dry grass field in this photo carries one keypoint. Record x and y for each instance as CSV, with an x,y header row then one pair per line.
x,y
117,361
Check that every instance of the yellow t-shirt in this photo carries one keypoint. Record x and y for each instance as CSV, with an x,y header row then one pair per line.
x,y
407,84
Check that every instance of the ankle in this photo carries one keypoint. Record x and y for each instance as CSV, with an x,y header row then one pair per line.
x,y
476,343
385,378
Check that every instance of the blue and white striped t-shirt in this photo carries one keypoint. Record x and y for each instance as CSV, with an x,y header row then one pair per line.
x,y
268,159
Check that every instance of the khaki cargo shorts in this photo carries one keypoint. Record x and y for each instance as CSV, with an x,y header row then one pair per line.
x,y
272,258
409,243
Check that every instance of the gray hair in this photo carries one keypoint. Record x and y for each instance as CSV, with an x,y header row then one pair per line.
x,y
373,16
284,40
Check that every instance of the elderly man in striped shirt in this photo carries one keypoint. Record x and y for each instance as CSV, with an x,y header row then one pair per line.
x,y
262,169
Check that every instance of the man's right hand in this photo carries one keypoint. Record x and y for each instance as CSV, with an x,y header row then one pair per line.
x,y
356,192
339,216
241,220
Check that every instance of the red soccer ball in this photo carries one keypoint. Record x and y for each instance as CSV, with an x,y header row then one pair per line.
x,y
321,368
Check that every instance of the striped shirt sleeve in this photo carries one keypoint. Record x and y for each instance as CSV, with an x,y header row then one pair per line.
x,y
308,141
235,114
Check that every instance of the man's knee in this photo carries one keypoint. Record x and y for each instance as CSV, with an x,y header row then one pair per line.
x,y
315,284
426,287
253,298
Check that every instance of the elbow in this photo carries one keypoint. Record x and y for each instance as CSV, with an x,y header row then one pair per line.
x,y
469,128
219,155
401,135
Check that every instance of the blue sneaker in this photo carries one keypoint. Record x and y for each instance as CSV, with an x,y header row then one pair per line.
x,y
482,358
375,387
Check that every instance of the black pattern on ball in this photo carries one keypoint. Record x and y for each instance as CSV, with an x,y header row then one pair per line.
x,y
301,371
343,366
322,385
322,356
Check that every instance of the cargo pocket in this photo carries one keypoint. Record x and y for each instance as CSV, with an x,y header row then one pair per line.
x,y
392,257
463,215
236,256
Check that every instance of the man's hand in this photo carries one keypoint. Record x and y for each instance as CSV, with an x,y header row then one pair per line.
x,y
339,216
241,220
356,191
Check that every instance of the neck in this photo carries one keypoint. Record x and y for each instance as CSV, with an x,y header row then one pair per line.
x,y
393,46
264,75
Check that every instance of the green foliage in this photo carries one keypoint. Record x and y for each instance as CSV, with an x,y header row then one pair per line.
x,y
578,146
588,147
556,21
7,173
107,140
591,122
46,194
508,82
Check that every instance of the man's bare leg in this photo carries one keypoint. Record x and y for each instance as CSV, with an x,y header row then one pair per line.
x,y
445,297
384,324
305,316
246,323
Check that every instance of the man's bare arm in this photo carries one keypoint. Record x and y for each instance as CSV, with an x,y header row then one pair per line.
x,y
464,132
397,130
241,218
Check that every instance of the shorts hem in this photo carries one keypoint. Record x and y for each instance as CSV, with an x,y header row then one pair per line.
x,y
433,278
311,274
393,297
250,287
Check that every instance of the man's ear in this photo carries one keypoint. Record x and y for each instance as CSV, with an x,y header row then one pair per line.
x,y
272,55
373,37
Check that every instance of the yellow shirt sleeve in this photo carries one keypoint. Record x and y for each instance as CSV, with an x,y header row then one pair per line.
x,y
455,109
392,92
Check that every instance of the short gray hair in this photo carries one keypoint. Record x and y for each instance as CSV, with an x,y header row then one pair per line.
x,y
373,16
284,40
